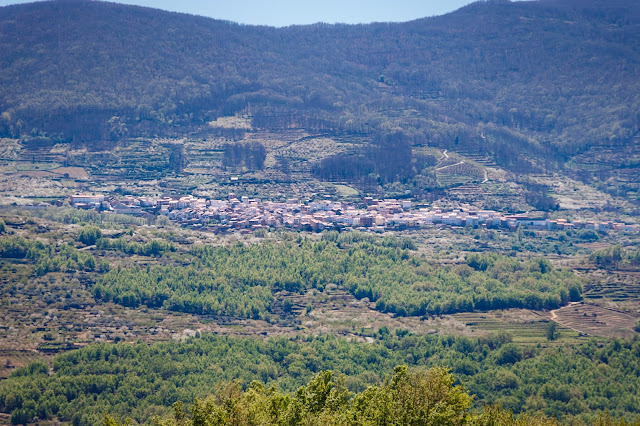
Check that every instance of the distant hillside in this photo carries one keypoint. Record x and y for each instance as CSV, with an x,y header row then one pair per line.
x,y
530,83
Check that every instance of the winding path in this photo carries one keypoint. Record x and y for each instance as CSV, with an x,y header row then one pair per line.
x,y
450,165
554,317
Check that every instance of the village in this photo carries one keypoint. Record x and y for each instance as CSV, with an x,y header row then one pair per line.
x,y
246,214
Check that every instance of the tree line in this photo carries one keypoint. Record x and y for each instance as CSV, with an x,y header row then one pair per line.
x,y
243,281
572,383
49,257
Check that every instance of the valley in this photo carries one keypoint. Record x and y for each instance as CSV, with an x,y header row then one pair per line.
x,y
204,222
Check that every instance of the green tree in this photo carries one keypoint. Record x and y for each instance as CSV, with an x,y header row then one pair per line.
x,y
89,235
509,354
552,332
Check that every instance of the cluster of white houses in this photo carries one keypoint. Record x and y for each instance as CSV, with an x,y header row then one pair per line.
x,y
247,214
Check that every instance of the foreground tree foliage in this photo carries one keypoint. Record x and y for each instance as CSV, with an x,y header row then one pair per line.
x,y
419,397
140,381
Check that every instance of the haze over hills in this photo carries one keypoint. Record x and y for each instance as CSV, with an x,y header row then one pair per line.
x,y
189,206
531,84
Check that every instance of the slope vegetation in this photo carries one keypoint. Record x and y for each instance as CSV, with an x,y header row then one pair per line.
x,y
527,82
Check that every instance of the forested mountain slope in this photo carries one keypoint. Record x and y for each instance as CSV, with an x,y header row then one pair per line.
x,y
527,82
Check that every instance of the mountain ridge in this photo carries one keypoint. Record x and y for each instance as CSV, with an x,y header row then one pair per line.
x,y
544,80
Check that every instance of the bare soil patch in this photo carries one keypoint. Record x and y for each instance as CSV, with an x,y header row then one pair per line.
x,y
71,172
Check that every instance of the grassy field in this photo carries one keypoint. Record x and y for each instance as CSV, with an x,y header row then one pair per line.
x,y
526,327
346,191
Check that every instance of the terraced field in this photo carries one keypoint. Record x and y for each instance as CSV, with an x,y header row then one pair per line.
x,y
12,359
595,320
614,289
527,327
617,168
615,285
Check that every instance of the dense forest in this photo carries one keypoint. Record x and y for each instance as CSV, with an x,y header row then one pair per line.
x,y
248,155
49,257
142,381
241,280
530,83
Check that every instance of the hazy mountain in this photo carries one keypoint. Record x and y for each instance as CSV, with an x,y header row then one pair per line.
x,y
540,81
